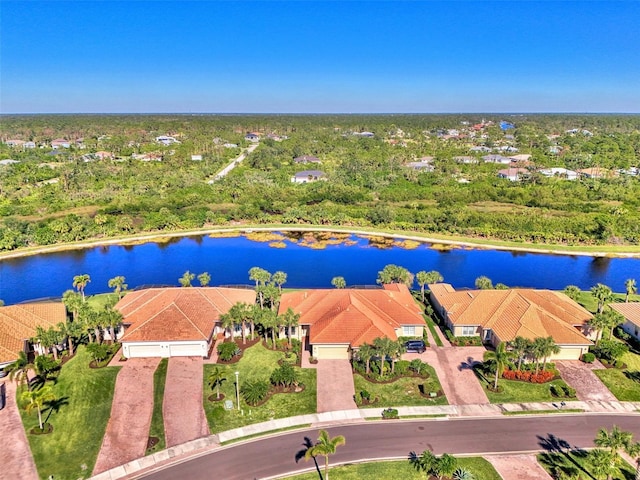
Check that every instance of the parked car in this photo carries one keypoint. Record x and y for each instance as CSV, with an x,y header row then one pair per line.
x,y
415,346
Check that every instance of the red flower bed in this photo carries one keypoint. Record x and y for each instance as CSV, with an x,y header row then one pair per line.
x,y
525,376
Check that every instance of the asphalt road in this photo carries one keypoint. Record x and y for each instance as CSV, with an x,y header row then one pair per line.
x,y
275,456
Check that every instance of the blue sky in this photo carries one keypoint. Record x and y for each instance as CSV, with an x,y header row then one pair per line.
x,y
319,57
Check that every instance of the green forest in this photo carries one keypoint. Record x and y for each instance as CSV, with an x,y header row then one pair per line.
x,y
50,196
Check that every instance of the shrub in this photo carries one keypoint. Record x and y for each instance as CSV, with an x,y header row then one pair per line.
x,y
463,474
227,350
610,350
389,413
98,351
619,364
526,376
416,365
365,395
402,366
588,357
284,375
569,392
254,392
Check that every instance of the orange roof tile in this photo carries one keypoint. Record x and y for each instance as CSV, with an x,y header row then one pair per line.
x,y
516,312
353,316
18,323
630,311
173,314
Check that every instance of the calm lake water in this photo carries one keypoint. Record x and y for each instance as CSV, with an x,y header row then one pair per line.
x,y
228,261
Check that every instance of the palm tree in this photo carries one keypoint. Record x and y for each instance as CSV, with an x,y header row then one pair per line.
x,y
118,285
325,446
80,283
426,278
615,440
36,399
572,292
279,278
520,347
186,279
603,464
501,357
111,319
73,301
547,347
215,379
290,319
365,352
204,278
228,322
339,282
634,451
19,370
602,294
630,286
261,277
384,347
70,330
48,339
397,349
483,283
606,320
395,274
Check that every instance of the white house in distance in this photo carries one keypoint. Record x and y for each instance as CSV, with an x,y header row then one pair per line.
x,y
175,322
308,176
513,174
631,313
560,173
166,140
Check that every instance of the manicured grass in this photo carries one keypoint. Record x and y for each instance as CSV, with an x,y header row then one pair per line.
x,y
632,360
157,420
515,391
432,329
589,302
257,363
624,388
269,432
578,462
397,470
99,301
404,392
84,397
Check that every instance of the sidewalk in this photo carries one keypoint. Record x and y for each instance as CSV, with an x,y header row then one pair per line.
x,y
213,442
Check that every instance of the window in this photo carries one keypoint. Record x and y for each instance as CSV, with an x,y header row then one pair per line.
x,y
409,330
469,331
237,328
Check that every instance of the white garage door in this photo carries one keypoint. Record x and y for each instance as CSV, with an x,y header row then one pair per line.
x,y
151,350
185,350
331,352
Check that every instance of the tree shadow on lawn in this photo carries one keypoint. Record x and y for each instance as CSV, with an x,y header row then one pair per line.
x,y
635,376
54,406
559,457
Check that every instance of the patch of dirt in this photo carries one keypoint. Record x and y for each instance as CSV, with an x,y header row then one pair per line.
x,y
46,429
214,398
152,442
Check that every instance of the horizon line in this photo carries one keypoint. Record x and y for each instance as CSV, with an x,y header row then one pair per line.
x,y
323,113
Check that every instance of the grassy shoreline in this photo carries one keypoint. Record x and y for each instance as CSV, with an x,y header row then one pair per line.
x,y
438,240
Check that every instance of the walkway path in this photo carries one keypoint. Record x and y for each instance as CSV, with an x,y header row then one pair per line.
x,y
15,456
235,162
335,386
184,417
128,428
518,467
580,376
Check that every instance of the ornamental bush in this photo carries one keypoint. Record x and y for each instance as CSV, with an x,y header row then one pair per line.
x,y
588,357
526,376
254,392
227,350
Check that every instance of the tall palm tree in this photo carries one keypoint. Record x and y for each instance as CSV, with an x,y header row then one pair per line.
x,y
261,277
395,274
365,352
615,440
547,347
80,283
520,348
73,301
397,349
603,321
634,451
37,399
384,347
630,287
425,278
290,319
215,379
228,322
603,464
118,285
325,446
339,282
279,278
602,294
501,357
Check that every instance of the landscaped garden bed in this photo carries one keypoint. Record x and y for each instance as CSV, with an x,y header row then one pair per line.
x,y
404,391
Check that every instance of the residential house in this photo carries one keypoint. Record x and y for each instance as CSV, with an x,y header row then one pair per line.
x,y
496,159
513,174
304,159
560,173
465,159
18,326
631,313
8,161
196,157
102,155
594,172
308,176
230,145
176,322
166,140
521,157
252,137
425,164
15,143
334,322
502,315
480,148
60,143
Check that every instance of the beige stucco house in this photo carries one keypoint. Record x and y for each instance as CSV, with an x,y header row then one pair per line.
x,y
631,313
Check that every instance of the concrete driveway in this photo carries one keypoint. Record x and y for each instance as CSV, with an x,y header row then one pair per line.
x,y
184,418
518,467
335,386
128,428
580,376
15,458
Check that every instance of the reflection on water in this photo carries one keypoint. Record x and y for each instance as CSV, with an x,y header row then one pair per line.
x,y
600,265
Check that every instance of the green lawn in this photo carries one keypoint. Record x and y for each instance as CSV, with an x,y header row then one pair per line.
x,y
397,470
257,363
157,420
624,388
99,301
432,328
515,391
404,392
84,398
578,462
589,302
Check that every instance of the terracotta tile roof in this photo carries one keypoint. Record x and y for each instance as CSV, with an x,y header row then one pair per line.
x,y
630,311
18,323
516,312
353,316
172,314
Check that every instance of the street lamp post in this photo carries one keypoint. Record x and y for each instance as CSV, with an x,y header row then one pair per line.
x,y
238,390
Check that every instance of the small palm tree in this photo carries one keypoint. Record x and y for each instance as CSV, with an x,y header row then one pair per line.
x,y
339,282
290,319
425,278
279,278
634,451
630,287
603,464
483,283
118,285
80,283
204,278
186,279
572,292
325,446
37,399
602,294
365,352
520,348
19,369
215,379
501,357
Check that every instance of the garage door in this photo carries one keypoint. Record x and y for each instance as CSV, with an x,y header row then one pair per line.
x,y
331,352
151,350
186,350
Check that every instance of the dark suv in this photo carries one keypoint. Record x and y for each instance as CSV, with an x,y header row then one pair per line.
x,y
415,346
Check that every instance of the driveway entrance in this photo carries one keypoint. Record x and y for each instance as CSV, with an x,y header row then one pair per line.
x,y
580,376
335,386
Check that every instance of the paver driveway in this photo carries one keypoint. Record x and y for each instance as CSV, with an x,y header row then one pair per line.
x,y
128,428
184,418
580,376
335,386
518,467
15,456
